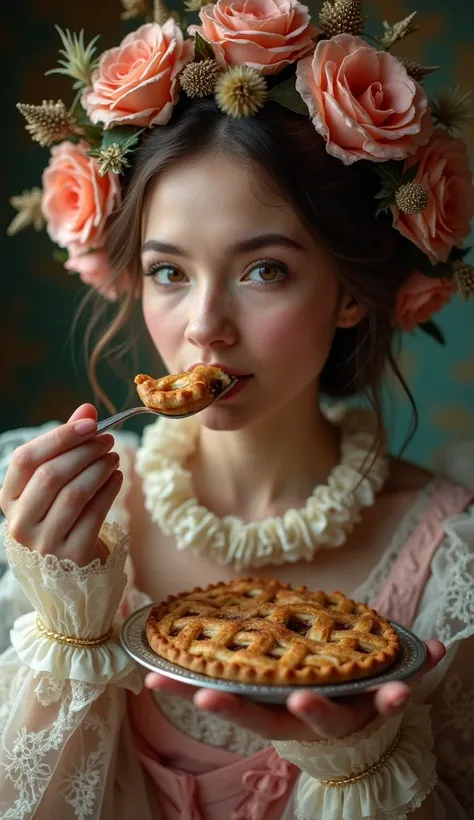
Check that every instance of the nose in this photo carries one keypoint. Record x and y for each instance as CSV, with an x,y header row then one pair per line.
x,y
210,323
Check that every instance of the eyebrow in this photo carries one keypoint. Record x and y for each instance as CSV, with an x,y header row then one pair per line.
x,y
244,246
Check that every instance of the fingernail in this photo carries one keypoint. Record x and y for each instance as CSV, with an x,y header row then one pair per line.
x,y
106,440
85,427
398,702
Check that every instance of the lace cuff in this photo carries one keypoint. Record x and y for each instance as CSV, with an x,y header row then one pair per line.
x,y
384,771
71,602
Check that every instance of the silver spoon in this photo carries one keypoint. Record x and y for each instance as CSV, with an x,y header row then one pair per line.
x,y
112,421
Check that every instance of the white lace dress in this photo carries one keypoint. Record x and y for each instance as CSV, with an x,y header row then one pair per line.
x,y
66,749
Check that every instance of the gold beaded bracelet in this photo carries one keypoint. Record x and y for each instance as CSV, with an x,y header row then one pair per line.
x,y
89,643
355,778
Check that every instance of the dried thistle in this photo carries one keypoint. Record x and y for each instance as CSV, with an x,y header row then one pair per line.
x,y
452,108
416,70
241,91
161,12
398,31
197,5
411,198
342,17
78,62
463,278
199,79
49,122
111,158
28,205
134,9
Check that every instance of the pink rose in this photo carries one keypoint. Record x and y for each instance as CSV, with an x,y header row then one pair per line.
x,y
362,101
264,34
444,171
77,201
419,298
94,270
135,83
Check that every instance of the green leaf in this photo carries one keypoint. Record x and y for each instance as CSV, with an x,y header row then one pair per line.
x,y
285,94
202,49
431,329
60,255
409,175
421,263
124,135
390,173
385,205
383,193
458,254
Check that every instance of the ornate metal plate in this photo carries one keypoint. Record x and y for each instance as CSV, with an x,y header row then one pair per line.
x,y
411,658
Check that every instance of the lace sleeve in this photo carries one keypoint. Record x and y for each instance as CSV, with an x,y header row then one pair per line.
x,y
447,612
62,704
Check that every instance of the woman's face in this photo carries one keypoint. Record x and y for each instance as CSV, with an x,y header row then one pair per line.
x,y
233,278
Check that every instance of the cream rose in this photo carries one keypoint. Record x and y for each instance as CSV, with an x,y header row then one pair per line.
x,y
419,298
136,83
444,172
264,34
77,201
362,101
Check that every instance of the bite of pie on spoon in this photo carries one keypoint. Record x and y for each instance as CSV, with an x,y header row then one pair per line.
x,y
184,392
263,631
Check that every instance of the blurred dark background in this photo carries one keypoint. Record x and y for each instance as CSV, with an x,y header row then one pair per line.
x,y
42,373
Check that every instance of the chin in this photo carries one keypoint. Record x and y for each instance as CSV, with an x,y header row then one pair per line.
x,y
214,420
236,415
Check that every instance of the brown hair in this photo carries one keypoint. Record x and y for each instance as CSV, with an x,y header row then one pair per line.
x,y
336,203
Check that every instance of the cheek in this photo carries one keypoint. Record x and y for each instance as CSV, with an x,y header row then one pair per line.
x,y
295,334
162,326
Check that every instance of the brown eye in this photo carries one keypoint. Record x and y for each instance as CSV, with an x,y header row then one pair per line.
x,y
174,275
165,274
267,272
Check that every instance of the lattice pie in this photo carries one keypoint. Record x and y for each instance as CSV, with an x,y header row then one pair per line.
x,y
266,632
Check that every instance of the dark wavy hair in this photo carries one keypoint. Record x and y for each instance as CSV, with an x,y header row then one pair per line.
x,y
335,202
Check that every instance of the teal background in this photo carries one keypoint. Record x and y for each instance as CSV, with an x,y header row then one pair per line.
x,y
42,375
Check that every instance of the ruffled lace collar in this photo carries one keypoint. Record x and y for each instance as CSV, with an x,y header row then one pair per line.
x,y
324,522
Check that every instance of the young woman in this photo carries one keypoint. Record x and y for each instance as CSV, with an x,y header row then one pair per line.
x,y
249,231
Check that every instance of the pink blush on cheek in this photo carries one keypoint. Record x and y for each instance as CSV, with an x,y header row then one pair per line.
x,y
163,332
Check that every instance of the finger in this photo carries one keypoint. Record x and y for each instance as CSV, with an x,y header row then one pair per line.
x,y
331,718
85,411
73,499
436,652
87,527
271,722
27,458
392,698
160,683
49,479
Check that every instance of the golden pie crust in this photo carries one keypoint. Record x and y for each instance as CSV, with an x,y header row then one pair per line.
x,y
263,631
183,392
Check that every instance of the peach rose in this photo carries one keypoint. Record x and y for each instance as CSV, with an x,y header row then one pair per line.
x,y
444,171
419,298
94,270
264,34
77,201
135,84
362,101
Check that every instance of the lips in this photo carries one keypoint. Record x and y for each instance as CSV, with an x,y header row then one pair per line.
x,y
229,370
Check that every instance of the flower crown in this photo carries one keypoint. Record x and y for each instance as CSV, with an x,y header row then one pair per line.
x,y
366,103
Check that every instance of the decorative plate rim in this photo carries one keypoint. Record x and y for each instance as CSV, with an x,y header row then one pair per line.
x,y
132,635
